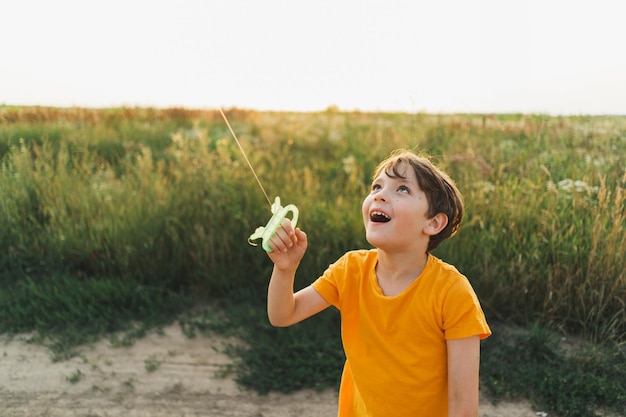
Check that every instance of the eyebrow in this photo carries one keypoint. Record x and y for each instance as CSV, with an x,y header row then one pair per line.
x,y
401,180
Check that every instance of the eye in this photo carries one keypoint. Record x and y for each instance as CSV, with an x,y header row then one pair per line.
x,y
404,189
376,187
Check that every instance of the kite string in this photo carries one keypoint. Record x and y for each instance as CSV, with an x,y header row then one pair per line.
x,y
245,156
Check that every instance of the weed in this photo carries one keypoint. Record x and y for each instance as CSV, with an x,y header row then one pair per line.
x,y
309,355
97,388
530,363
75,377
129,384
153,363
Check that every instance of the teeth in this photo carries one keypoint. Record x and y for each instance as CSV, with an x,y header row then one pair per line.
x,y
379,216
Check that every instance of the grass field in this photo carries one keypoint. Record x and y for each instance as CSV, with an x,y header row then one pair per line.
x,y
132,215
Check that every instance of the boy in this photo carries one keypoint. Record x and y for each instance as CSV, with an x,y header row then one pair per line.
x,y
411,324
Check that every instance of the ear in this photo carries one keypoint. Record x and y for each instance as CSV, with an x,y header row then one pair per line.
x,y
436,224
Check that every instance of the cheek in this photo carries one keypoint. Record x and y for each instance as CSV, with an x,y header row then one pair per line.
x,y
365,207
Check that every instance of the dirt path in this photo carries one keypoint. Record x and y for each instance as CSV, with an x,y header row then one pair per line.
x,y
160,375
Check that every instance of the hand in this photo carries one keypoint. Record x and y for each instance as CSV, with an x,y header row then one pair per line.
x,y
288,246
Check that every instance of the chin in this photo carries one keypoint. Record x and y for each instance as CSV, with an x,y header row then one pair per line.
x,y
376,242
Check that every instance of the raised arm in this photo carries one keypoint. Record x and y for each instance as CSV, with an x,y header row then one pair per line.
x,y
285,308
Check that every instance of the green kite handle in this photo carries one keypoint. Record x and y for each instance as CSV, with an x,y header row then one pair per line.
x,y
279,213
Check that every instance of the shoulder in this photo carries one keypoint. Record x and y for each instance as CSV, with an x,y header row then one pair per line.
x,y
345,275
446,277
461,313
352,267
441,271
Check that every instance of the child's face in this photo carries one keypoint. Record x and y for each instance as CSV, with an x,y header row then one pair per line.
x,y
395,213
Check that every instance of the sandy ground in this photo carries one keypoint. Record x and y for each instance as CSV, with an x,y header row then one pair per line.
x,y
161,375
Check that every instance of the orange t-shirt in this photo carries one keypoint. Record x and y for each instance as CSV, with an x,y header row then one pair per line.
x,y
396,357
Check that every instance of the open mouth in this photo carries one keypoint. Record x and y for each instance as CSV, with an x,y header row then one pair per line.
x,y
379,217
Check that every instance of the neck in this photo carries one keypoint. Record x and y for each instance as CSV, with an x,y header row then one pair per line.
x,y
402,263
396,272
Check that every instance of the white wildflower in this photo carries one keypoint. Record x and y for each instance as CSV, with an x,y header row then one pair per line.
x,y
579,186
485,186
349,164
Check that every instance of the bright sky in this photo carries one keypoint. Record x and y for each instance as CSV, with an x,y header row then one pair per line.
x,y
535,56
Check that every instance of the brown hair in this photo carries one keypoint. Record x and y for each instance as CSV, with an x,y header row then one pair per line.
x,y
441,192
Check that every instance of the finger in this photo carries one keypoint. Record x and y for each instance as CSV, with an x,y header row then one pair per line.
x,y
284,235
301,238
281,240
300,234
285,224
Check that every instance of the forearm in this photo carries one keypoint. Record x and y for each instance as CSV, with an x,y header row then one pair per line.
x,y
280,298
285,308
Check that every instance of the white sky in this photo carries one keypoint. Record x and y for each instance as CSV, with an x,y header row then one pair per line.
x,y
535,56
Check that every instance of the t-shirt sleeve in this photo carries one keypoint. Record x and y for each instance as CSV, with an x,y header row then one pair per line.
x,y
462,313
327,285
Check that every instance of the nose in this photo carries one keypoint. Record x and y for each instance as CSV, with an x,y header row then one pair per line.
x,y
380,196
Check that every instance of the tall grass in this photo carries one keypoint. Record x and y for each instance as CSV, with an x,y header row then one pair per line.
x,y
163,198
115,215
544,238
